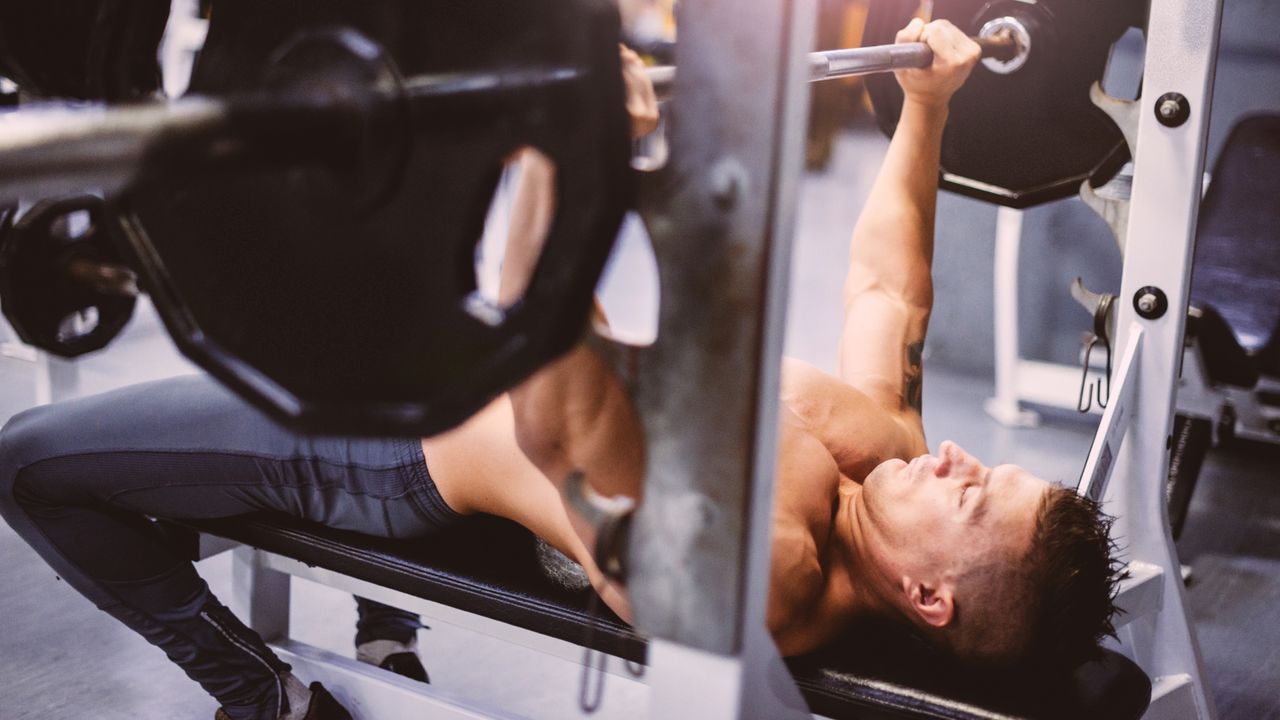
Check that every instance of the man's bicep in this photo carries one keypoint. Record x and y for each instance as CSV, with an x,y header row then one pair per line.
x,y
881,349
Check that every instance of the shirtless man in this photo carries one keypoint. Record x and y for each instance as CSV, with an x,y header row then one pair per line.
x,y
866,523
992,564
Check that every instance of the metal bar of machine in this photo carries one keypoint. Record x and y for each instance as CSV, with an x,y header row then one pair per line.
x,y
720,214
1181,54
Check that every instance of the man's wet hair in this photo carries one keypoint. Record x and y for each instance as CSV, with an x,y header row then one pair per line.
x,y
1044,610
1073,578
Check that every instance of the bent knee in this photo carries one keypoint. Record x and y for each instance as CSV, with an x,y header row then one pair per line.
x,y
25,440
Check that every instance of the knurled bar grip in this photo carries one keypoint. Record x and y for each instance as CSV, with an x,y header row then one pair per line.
x,y
830,64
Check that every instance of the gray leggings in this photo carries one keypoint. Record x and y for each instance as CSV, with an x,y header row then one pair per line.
x,y
79,480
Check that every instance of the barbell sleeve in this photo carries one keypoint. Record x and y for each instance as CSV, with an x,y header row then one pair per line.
x,y
50,149
831,64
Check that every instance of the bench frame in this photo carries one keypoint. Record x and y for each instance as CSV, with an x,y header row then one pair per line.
x,y
260,593
1133,438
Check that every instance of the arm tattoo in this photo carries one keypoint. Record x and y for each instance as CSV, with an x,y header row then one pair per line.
x,y
914,378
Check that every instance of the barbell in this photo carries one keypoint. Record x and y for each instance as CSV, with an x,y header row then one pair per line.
x,y
306,219
46,151
111,149
52,151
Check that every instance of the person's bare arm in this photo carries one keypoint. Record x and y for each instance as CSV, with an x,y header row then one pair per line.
x,y
574,414
888,292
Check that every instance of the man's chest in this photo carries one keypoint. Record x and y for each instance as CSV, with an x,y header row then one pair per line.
x,y
857,433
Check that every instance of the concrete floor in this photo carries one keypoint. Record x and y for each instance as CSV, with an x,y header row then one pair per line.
x,y
61,659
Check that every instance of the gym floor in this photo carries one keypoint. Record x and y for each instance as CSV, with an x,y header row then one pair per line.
x,y
62,659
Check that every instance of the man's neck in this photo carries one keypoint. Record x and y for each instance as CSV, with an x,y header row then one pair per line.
x,y
858,581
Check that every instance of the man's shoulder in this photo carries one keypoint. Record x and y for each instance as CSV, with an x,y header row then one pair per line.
x,y
821,396
856,430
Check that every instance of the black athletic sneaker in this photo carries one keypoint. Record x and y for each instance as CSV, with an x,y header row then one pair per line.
x,y
323,707
407,664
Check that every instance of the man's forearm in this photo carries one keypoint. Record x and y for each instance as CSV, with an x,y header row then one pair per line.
x,y
892,245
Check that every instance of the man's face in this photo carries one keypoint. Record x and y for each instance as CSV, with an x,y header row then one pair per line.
x,y
938,515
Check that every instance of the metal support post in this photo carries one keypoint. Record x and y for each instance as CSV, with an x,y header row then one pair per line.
x,y
259,595
720,215
56,378
1005,406
1182,39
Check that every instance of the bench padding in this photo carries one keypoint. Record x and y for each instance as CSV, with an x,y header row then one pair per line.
x,y
1237,255
488,567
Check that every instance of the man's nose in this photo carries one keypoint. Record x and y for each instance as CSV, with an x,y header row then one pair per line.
x,y
950,457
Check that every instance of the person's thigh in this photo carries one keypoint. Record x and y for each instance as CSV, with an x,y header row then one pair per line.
x,y
188,448
79,480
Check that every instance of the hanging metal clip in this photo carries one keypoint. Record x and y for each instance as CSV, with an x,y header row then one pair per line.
x,y
611,518
1099,304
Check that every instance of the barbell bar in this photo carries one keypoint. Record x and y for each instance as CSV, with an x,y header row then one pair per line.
x,y
1007,42
49,151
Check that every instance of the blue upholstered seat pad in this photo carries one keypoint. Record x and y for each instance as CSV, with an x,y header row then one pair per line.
x,y
1237,254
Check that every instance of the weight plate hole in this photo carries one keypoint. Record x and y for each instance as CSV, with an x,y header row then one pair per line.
x,y
494,263
78,324
73,225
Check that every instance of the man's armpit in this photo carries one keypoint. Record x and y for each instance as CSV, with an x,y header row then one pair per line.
x,y
913,379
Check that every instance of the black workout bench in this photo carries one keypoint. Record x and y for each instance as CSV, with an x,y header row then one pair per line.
x,y
1236,276
1230,385
488,567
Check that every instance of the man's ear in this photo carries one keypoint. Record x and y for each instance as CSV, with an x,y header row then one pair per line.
x,y
933,603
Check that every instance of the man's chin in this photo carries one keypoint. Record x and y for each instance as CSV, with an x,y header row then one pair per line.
x,y
882,473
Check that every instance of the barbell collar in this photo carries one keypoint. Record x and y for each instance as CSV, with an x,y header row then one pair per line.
x,y
105,278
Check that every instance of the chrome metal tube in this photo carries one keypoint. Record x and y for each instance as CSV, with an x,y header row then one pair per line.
x,y
56,150
831,64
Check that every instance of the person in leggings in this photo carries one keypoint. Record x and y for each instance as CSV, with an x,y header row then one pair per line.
x,y
85,476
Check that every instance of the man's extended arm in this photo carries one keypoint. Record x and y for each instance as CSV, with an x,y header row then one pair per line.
x,y
888,291
573,415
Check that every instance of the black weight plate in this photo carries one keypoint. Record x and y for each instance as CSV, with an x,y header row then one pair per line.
x,y
343,307
1031,136
38,292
